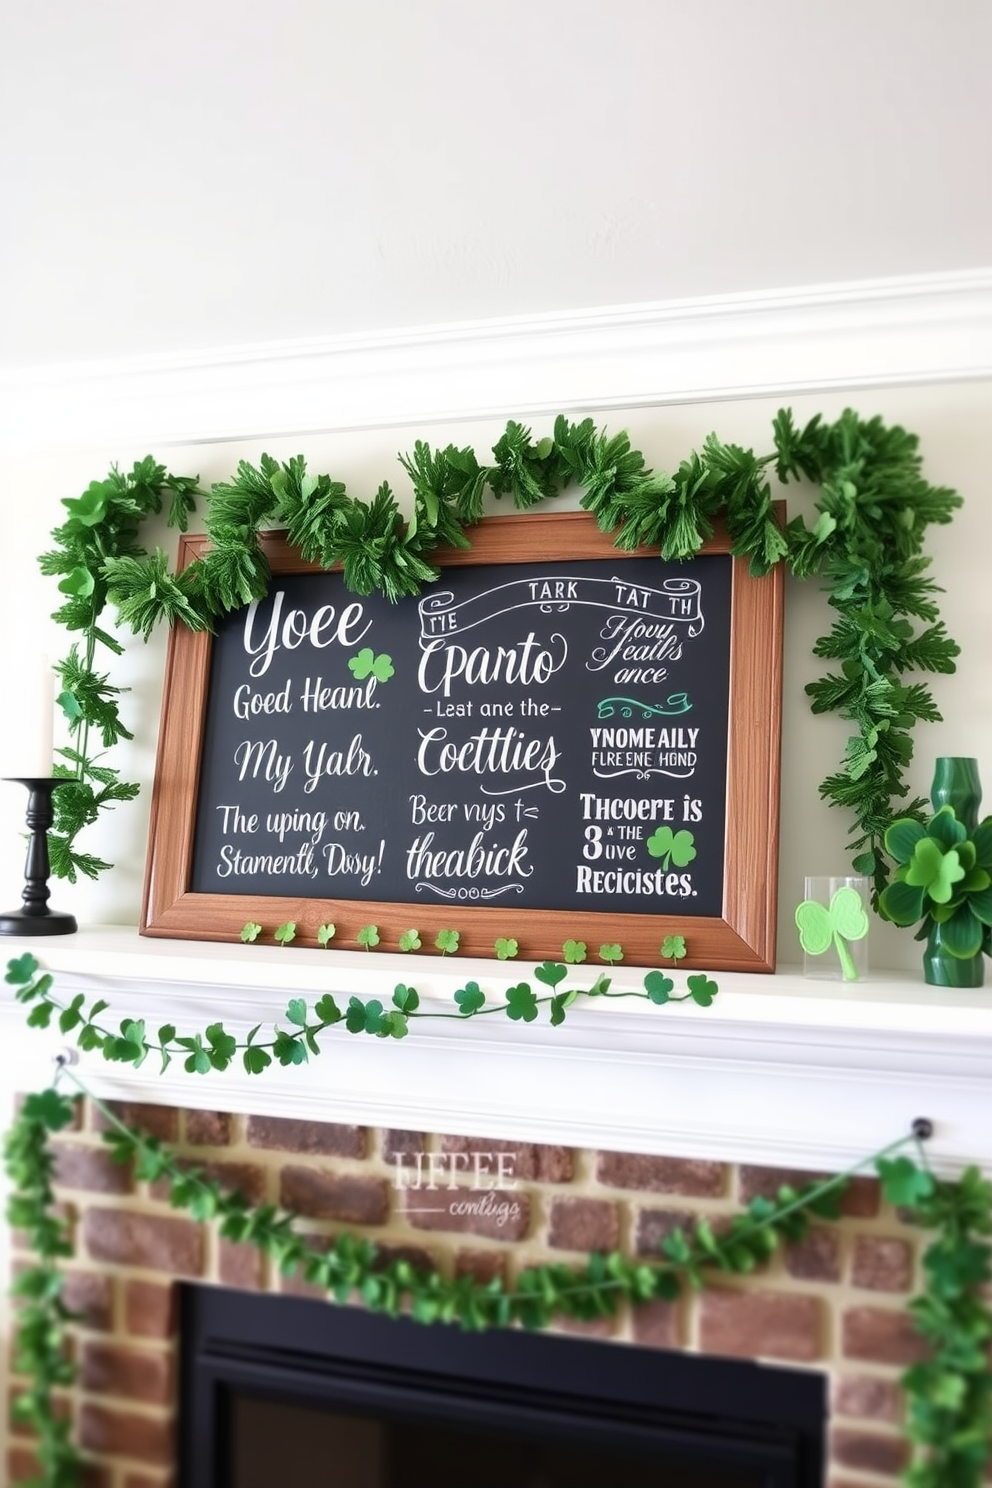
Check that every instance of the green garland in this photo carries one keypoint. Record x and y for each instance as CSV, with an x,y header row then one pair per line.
x,y
40,1344
866,547
215,1048
950,1396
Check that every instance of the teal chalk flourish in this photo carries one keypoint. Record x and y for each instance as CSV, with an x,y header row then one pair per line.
x,y
673,706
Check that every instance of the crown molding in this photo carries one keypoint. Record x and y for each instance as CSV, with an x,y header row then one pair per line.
x,y
885,332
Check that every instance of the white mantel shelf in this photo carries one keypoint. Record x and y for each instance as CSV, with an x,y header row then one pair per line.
x,y
781,1069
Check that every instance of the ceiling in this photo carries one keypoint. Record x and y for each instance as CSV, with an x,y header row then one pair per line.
x,y
206,173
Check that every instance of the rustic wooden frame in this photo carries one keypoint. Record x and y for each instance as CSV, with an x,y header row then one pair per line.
x,y
743,939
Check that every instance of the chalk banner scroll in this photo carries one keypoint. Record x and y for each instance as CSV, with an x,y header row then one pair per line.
x,y
583,747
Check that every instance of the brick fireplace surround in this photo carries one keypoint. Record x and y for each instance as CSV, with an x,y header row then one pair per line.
x,y
835,1302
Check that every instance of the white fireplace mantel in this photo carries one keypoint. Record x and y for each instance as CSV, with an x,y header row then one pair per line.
x,y
781,1069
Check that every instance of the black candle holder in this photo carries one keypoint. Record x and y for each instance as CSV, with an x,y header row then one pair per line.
x,y
35,918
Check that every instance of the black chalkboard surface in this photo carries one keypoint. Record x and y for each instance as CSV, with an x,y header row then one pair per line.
x,y
551,736
546,739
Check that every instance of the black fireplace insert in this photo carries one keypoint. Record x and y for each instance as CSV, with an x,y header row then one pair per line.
x,y
280,1392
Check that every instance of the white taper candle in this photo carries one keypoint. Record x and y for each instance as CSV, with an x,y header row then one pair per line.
x,y
44,750
27,725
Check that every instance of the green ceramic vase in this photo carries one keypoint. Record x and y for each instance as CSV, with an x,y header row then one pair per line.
x,y
955,783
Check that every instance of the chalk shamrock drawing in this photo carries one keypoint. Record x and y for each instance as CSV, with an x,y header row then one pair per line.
x,y
672,847
820,927
367,664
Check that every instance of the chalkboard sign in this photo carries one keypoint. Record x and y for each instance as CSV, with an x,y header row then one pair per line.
x,y
542,747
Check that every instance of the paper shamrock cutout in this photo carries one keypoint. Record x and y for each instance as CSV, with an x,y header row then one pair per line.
x,y
672,847
366,663
820,927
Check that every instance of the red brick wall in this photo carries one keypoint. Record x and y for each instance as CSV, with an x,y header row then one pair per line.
x,y
834,1302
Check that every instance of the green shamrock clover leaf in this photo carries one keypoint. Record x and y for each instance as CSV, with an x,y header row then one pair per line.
x,y
91,507
325,934
410,940
377,1020
933,870
673,948
21,969
367,664
50,1108
368,936
521,1003
702,989
574,951
470,998
285,933
506,948
364,1017
70,704
672,847
79,583
903,1183
394,1025
447,941
658,987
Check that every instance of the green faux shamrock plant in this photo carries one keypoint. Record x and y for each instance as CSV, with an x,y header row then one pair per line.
x,y
943,877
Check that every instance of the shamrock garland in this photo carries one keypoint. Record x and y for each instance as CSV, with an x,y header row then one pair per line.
x,y
949,1396
216,1049
865,546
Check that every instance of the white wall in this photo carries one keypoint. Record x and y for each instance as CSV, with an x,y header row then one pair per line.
x,y
209,172
952,421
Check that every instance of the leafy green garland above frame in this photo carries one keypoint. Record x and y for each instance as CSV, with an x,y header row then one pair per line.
x,y
873,509
949,1417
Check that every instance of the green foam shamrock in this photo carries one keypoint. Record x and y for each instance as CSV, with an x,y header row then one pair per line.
x,y
820,927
